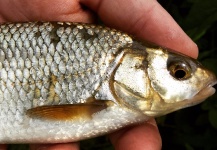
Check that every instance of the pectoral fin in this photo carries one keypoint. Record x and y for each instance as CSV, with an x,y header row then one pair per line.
x,y
69,111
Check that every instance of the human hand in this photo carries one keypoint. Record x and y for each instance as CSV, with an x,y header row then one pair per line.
x,y
145,19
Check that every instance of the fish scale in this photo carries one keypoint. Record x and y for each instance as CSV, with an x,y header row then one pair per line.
x,y
45,64
68,62
64,82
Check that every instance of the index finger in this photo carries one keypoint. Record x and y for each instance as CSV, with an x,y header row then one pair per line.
x,y
145,19
139,137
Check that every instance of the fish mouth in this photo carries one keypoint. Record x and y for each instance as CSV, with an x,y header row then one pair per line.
x,y
203,94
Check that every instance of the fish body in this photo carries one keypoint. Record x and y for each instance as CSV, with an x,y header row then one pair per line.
x,y
64,82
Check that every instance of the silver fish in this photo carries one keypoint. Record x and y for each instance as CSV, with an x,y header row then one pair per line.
x,y
64,82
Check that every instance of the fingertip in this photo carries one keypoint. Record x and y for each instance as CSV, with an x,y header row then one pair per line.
x,y
3,146
147,20
64,146
139,137
34,10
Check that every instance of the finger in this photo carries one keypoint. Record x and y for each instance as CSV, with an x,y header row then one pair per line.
x,y
139,137
67,146
145,19
49,10
3,146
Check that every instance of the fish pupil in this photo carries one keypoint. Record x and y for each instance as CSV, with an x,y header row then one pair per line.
x,y
179,74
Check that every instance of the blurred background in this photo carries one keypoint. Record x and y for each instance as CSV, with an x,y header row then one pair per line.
x,y
193,128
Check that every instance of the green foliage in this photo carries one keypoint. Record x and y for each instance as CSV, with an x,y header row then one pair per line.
x,y
200,18
192,128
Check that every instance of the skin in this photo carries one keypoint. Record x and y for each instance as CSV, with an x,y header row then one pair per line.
x,y
145,19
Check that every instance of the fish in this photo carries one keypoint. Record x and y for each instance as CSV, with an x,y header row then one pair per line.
x,y
65,82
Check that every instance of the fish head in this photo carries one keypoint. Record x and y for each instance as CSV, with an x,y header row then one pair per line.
x,y
180,81
161,81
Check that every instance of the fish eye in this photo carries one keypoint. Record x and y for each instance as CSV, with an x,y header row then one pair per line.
x,y
179,70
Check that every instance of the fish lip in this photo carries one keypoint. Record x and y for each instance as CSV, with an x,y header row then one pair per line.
x,y
212,84
209,86
203,94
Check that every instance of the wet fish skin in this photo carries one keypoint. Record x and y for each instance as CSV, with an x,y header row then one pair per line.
x,y
52,64
32,53
63,82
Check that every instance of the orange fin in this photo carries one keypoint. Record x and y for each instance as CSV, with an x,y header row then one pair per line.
x,y
69,111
